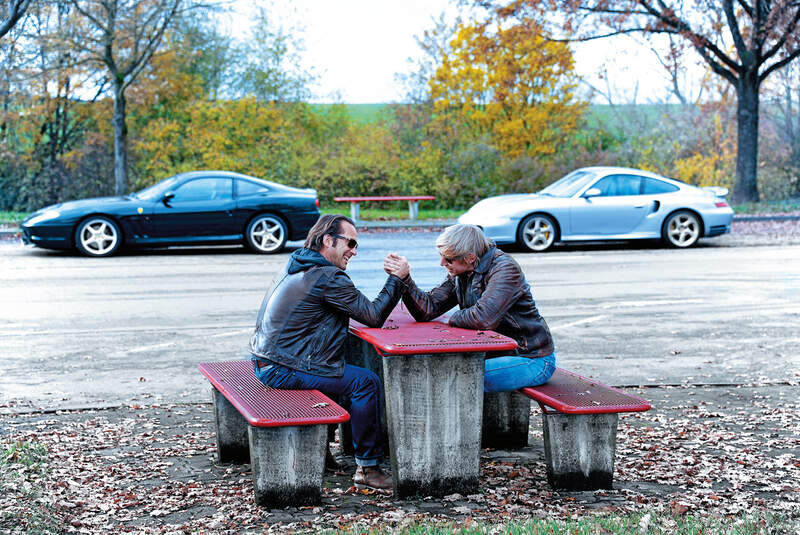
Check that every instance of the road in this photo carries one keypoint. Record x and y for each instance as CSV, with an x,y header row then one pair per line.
x,y
80,332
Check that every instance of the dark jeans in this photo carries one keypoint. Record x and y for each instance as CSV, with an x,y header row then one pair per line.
x,y
359,385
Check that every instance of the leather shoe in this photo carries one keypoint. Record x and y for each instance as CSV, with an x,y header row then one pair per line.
x,y
372,477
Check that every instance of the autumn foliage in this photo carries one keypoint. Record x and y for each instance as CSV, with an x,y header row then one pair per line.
x,y
512,84
499,112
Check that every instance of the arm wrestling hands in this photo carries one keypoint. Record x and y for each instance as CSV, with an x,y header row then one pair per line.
x,y
396,265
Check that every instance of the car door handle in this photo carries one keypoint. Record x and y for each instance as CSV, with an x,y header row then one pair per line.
x,y
640,205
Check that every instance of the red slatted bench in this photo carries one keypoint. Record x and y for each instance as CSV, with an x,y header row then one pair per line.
x,y
579,420
283,433
413,201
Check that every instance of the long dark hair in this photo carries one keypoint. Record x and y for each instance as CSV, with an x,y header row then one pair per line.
x,y
327,224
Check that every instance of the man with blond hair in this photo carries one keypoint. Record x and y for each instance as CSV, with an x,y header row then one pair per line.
x,y
491,293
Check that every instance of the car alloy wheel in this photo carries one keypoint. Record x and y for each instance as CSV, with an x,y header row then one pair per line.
x,y
537,232
681,229
97,236
266,234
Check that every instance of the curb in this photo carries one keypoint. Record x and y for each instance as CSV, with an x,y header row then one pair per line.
x,y
746,218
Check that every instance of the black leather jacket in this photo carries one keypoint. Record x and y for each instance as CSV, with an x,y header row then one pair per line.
x,y
495,296
303,321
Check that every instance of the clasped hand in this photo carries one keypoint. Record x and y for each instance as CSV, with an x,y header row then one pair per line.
x,y
397,265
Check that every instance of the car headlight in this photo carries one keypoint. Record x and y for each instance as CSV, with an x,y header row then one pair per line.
x,y
44,216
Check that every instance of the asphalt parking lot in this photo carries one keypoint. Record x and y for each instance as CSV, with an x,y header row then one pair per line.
x,y
80,332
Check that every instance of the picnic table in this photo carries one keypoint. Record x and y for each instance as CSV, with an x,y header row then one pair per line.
x,y
413,203
433,380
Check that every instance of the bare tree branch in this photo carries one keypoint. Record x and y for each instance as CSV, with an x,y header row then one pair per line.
x,y
789,30
779,64
11,13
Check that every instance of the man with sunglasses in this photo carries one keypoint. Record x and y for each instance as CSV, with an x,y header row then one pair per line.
x,y
301,332
491,292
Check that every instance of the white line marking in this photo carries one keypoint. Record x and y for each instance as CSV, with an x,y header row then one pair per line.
x,y
231,333
590,319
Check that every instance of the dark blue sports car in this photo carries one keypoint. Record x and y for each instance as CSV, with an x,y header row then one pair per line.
x,y
197,208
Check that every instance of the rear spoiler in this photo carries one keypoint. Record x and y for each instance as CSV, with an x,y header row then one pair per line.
x,y
716,190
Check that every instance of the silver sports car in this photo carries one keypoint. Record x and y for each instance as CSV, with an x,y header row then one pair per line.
x,y
605,203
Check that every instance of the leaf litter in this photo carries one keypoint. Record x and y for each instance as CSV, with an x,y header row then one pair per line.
x,y
151,469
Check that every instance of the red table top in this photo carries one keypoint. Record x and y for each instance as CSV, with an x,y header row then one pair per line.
x,y
402,335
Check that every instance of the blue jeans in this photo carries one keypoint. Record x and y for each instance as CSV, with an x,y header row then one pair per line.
x,y
360,385
506,374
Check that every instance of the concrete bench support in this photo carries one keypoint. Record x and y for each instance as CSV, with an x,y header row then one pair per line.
x,y
233,446
282,433
434,405
288,464
355,211
506,417
413,210
579,450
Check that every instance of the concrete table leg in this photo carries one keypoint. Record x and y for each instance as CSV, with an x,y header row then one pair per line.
x,y
288,464
232,443
506,417
434,406
579,450
354,211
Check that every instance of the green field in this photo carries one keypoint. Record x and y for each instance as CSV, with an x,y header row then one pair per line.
x,y
598,113
361,113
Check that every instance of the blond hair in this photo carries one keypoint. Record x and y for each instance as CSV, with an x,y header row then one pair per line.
x,y
458,241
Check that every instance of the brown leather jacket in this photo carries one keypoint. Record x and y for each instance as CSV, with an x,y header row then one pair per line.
x,y
495,296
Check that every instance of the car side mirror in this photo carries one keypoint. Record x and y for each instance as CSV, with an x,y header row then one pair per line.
x,y
592,192
167,197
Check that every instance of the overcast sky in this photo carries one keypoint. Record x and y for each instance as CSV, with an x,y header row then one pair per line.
x,y
356,46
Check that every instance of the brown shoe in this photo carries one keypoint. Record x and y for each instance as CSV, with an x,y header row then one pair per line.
x,y
372,477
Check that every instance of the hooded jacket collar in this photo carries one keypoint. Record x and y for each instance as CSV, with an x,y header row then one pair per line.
x,y
304,259
486,260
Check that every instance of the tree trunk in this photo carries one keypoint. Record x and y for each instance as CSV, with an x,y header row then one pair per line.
x,y
745,189
120,143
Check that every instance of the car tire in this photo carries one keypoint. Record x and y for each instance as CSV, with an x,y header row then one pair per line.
x,y
537,233
266,234
681,229
98,236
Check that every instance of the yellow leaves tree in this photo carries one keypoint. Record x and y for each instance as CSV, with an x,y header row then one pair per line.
x,y
510,83
231,135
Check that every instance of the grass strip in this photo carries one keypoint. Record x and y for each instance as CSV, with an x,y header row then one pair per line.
x,y
23,474
644,523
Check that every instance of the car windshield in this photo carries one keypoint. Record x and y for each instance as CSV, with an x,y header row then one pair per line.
x,y
569,185
157,190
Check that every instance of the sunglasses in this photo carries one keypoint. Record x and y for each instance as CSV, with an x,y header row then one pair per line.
x,y
351,243
451,260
